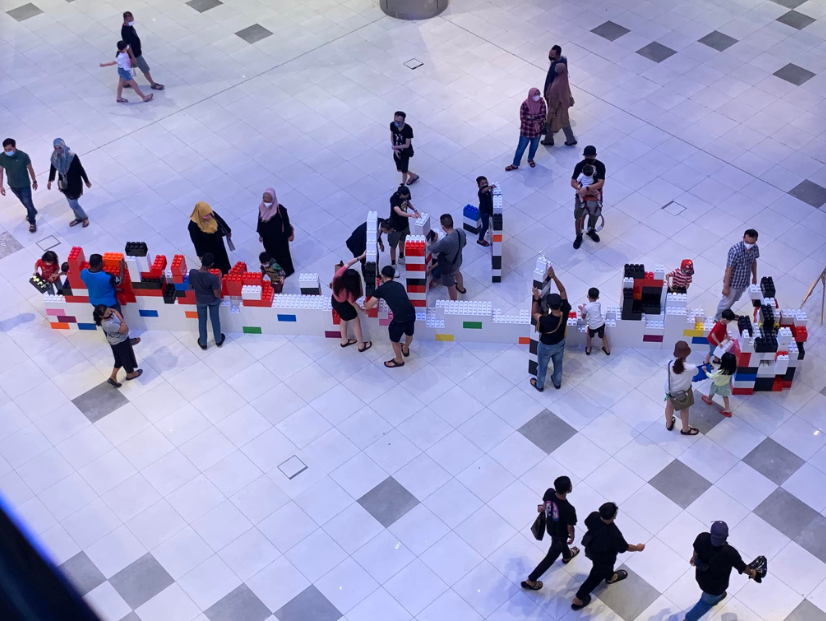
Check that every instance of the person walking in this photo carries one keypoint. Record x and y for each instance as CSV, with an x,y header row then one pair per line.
x,y
18,166
207,287
551,327
679,394
713,559
117,334
130,35
560,520
404,314
101,285
71,176
589,155
346,288
559,99
275,231
207,230
556,57
401,210
401,142
532,114
448,253
741,263
125,78
602,543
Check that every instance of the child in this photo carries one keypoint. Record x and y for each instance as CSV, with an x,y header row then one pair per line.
x,y
721,382
272,270
719,332
49,267
680,279
586,179
592,316
125,73
485,208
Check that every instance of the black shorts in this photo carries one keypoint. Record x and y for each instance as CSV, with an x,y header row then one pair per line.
x,y
124,356
345,310
397,328
402,162
598,331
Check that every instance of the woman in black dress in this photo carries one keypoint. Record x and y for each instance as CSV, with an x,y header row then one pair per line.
x,y
275,231
207,230
71,176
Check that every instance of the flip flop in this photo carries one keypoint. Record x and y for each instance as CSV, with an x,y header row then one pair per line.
x,y
510,167
406,354
587,351
114,383
533,383
621,575
86,223
706,400
482,242
139,373
392,364
670,426
135,341
157,87
535,587
607,353
32,228
726,413
74,222
367,345
122,100
574,552
531,163
462,291
692,431
584,603
413,180
149,98
349,342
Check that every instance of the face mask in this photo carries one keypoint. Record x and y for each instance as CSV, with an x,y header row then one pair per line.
x,y
9,153
132,23
266,204
748,246
536,97
397,123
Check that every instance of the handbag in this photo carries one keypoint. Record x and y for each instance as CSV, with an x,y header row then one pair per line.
x,y
225,233
538,527
681,399
62,182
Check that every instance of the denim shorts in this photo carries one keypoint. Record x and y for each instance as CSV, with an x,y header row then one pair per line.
x,y
124,75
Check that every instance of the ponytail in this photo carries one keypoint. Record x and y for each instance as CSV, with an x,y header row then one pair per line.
x,y
678,366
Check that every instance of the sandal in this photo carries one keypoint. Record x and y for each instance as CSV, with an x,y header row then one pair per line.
x,y
32,228
584,603
413,180
86,223
114,383
148,98
367,345
531,163
462,291
348,343
392,364
570,144
74,222
726,413
607,353
139,373
533,383
670,426
122,100
621,575
587,351
157,87
536,586
510,167
574,552
692,431
135,341
482,242
406,354
706,400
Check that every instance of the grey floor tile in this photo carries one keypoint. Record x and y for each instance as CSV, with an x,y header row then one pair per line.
x,y
82,573
796,19
789,4
309,604
132,616
611,31
24,12
718,41
810,193
388,501
100,401
813,538
680,483
204,5
240,604
254,33
547,431
8,244
628,598
656,52
773,461
806,611
786,513
794,74
705,417
141,581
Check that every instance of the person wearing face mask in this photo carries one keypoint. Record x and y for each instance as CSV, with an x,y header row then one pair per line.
x,y
741,264
559,99
275,231
556,57
130,35
532,114
401,137
18,167
590,158
207,230
70,179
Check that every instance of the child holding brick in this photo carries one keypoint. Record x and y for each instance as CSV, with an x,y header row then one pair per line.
x,y
592,316
679,279
721,382
273,271
719,332
49,267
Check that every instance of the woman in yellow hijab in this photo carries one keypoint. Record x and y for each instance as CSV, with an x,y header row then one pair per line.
x,y
207,230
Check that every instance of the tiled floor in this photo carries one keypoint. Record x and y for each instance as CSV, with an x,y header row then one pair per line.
x,y
285,478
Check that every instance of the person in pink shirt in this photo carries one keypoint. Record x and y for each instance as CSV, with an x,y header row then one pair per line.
x,y
346,288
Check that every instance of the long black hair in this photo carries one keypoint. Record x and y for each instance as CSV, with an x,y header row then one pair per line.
x,y
99,312
728,364
349,281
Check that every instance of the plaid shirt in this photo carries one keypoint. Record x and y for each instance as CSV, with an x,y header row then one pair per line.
x,y
531,124
740,262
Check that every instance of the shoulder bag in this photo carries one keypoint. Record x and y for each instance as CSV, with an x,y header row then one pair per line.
x,y
681,399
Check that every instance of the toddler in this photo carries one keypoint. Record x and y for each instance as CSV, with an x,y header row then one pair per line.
x,y
592,316
721,382
586,179
49,267
679,280
124,64
272,270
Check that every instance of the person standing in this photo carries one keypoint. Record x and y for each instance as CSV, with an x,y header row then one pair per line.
x,y
560,520
551,328
357,242
679,394
401,142
346,288
589,155
602,542
713,559
401,210
559,99
70,179
532,114
18,166
448,253
207,230
275,231
117,334
741,263
485,208
207,287
100,285
556,57
404,315
130,36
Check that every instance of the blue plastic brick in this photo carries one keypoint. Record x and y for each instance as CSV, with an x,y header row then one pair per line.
x,y
286,318
181,286
471,212
86,326
148,313
745,377
699,340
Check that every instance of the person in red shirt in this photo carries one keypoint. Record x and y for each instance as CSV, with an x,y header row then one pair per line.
x,y
719,332
49,267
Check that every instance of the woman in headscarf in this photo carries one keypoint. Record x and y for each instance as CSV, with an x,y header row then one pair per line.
x,y
70,179
531,119
275,231
559,100
207,230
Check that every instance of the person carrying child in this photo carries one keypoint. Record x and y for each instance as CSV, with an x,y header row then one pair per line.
x,y
593,318
719,333
124,64
273,271
721,382
49,267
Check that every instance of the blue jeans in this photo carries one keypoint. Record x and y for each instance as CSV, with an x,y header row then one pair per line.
x,y
520,149
25,196
485,224
77,209
706,603
215,317
544,354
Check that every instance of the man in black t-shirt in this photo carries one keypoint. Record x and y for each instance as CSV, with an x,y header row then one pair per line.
x,y
401,136
130,36
404,314
590,157
602,543
560,519
357,242
551,327
714,559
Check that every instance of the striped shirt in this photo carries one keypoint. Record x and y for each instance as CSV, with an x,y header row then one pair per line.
x,y
679,279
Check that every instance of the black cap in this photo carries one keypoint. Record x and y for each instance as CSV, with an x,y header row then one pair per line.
x,y
554,301
589,151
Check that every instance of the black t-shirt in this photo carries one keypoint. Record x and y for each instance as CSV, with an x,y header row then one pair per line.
x,y
204,284
559,514
394,294
357,242
716,562
400,136
607,539
549,325
130,36
486,201
398,222
599,172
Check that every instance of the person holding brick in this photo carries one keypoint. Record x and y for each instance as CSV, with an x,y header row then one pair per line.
x,y
719,332
346,288
404,314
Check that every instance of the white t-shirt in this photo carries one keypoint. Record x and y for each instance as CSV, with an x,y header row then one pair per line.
x,y
584,180
124,61
681,381
593,315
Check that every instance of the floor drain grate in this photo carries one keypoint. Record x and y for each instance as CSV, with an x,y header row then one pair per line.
x,y
292,467
413,63
673,207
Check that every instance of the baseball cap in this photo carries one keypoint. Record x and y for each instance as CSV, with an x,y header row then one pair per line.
x,y
554,301
719,533
590,151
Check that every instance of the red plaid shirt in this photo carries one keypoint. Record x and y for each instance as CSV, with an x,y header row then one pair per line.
x,y
531,124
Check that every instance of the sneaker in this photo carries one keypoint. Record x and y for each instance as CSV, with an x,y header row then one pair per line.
x,y
593,235
577,242
201,345
401,258
221,342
